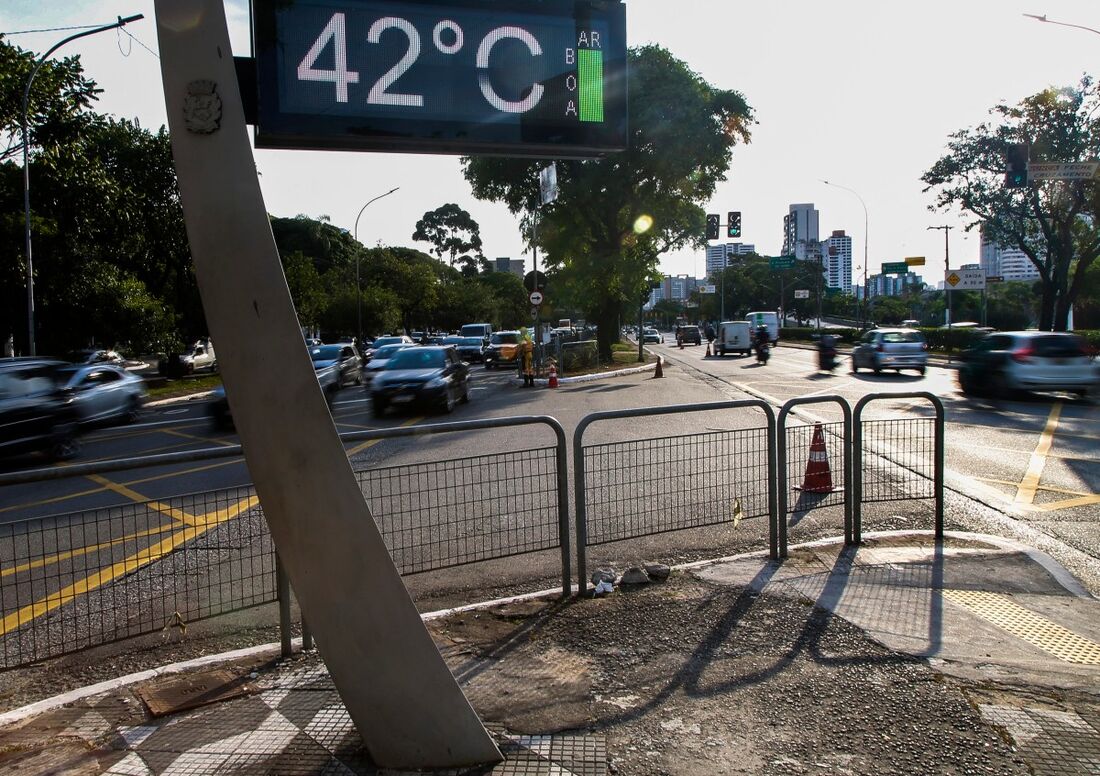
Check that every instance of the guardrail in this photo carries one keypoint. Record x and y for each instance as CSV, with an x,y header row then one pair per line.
x,y
75,581
920,458
656,505
809,499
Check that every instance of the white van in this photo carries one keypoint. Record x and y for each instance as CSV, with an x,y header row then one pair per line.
x,y
769,319
733,337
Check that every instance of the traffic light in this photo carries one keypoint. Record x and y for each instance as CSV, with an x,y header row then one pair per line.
x,y
1016,159
733,224
713,220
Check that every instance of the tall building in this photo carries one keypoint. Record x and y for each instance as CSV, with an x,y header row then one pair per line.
x,y
836,250
1009,263
718,255
515,266
800,229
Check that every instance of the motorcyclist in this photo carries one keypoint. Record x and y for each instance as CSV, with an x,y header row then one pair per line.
x,y
826,352
762,340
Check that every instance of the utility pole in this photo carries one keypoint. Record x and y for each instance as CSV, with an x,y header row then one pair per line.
x,y
947,268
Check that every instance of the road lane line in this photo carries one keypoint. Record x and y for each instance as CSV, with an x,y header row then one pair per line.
x,y
50,560
53,500
371,442
121,568
1045,488
1026,491
156,506
182,472
196,438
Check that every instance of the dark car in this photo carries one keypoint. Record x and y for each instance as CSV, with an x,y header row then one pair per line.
x,y
503,348
337,365
469,348
379,358
688,335
1004,363
427,376
37,413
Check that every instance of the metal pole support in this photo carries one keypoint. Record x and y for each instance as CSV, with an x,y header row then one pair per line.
x,y
282,592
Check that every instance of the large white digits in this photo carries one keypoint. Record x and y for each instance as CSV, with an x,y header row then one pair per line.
x,y
378,94
483,52
340,75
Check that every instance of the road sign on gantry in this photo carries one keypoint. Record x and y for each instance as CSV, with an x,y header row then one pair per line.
x,y
895,268
802,293
512,77
781,262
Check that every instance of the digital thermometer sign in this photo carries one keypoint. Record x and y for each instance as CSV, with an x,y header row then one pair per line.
x,y
517,78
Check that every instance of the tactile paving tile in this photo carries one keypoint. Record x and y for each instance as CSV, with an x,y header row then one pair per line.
x,y
1006,614
1053,743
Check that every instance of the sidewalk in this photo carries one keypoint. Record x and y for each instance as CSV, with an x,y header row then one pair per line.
x,y
901,657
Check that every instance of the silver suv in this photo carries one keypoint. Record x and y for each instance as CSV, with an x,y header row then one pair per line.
x,y
895,349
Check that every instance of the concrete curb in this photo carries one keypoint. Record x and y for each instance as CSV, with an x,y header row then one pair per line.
x,y
1055,569
542,381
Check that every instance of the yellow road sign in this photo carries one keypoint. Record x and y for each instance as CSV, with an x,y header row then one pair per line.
x,y
914,261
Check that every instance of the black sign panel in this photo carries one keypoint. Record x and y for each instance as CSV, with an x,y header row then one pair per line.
x,y
513,77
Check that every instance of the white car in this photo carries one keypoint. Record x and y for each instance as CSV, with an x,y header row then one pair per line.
x,y
650,334
103,392
895,349
1006,362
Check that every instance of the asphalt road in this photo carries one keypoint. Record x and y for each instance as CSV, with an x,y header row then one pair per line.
x,y
447,499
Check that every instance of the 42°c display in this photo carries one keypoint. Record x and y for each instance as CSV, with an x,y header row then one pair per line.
x,y
528,78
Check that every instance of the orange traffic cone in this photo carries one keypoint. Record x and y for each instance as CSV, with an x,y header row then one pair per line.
x,y
659,372
818,477
552,382
708,350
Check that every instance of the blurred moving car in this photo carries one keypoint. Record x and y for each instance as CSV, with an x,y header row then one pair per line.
x,y
93,356
688,335
895,349
103,393
337,365
379,359
426,376
399,339
1006,362
36,415
469,348
503,349
649,334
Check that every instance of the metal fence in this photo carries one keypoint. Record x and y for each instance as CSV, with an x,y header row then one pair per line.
x,y
577,355
79,580
70,582
632,488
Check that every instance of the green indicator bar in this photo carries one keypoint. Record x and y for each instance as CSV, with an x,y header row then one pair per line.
x,y
590,75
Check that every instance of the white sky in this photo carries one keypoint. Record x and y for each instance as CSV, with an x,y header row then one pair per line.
x,y
863,93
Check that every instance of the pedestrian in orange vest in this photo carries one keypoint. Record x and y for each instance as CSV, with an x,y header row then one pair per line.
x,y
527,358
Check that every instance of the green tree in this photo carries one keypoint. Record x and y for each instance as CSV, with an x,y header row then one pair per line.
x,y
615,216
452,232
1056,223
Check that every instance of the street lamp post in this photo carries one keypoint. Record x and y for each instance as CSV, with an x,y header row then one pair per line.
x,y
866,229
27,167
358,291
1043,18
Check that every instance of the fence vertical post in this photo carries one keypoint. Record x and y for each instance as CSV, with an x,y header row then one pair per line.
x,y
857,476
580,512
939,466
282,592
563,507
307,635
849,496
778,529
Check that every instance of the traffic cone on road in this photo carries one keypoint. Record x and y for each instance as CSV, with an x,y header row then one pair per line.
x,y
708,350
818,477
659,372
681,343
552,382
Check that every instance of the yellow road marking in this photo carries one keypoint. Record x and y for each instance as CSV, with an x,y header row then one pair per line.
x,y
1062,456
182,472
49,560
54,500
197,438
1024,624
128,565
1082,501
1026,492
156,506
371,442
1049,488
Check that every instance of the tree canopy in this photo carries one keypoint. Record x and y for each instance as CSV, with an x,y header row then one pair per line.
x,y
615,216
1056,223
452,232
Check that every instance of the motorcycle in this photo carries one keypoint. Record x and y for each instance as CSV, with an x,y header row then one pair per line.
x,y
763,351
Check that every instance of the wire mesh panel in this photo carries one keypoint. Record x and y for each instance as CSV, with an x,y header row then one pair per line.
x,y
899,459
91,578
815,466
650,486
447,513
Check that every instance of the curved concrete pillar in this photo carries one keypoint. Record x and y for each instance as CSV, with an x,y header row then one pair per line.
x,y
403,699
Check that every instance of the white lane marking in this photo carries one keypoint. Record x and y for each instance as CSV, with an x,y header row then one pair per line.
x,y
180,411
